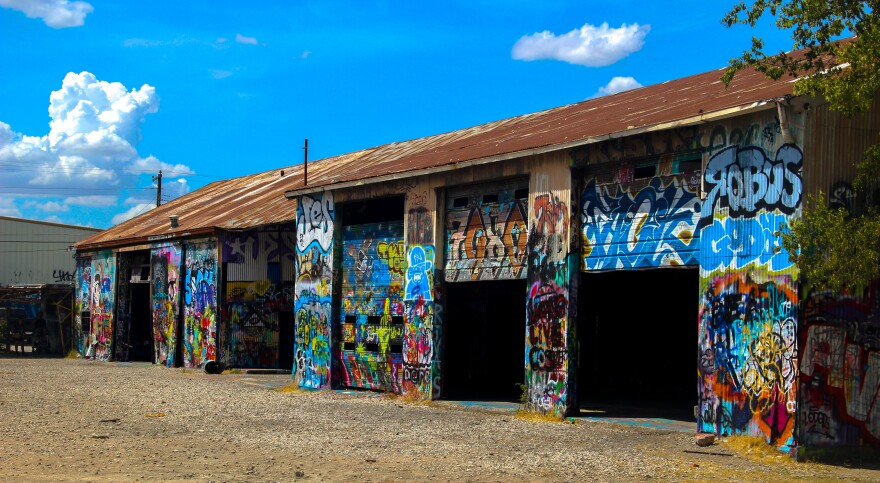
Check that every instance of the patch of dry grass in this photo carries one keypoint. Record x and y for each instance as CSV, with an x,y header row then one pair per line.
x,y
756,449
411,399
291,388
538,417
72,354
232,371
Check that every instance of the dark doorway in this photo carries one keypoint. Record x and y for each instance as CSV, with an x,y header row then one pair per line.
x,y
141,334
485,333
286,339
638,342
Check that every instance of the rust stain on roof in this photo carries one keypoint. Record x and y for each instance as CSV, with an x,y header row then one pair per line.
x,y
251,201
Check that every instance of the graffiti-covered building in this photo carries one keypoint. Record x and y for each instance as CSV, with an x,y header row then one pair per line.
x,y
620,249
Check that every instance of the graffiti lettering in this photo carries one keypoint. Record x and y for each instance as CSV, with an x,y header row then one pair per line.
x,y
62,276
745,180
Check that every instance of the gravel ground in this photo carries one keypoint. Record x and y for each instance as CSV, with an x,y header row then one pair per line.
x,y
77,420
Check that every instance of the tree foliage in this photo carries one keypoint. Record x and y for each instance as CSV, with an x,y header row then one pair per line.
x,y
833,248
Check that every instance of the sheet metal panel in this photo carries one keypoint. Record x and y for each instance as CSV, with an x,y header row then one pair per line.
x,y
630,223
200,304
372,316
486,232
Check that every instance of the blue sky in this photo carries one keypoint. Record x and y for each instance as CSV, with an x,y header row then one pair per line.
x,y
96,97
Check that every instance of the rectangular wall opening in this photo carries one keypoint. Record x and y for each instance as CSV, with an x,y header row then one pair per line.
x,y
485,333
637,332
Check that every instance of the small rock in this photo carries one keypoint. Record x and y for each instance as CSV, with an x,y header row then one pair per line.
x,y
300,473
704,439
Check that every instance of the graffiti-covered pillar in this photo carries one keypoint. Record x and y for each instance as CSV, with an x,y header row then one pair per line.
x,y
421,335
82,303
552,265
200,304
165,264
313,290
103,283
748,322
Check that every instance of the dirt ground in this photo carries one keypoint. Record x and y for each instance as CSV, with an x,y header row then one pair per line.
x,y
76,420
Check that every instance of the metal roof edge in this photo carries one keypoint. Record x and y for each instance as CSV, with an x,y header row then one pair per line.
x,y
141,240
755,106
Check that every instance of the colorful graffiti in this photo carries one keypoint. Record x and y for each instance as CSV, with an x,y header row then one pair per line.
x,y
840,369
251,318
313,294
487,241
82,299
748,307
748,353
165,263
103,281
372,306
419,272
200,305
654,226
548,325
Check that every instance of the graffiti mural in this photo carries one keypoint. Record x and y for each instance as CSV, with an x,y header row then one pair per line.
x,y
370,349
627,227
165,295
103,281
840,369
547,352
487,241
82,299
313,293
200,305
749,293
251,315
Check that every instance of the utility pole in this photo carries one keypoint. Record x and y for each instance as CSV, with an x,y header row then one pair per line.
x,y
158,179
306,163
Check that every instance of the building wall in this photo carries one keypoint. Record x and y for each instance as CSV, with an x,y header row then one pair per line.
x,y
257,289
35,252
839,400
165,280
200,304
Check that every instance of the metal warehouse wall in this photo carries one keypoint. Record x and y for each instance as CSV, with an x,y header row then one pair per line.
x,y
35,252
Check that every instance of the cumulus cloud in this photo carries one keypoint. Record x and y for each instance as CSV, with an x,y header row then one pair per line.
x,y
617,84
245,40
90,149
589,45
54,13
132,212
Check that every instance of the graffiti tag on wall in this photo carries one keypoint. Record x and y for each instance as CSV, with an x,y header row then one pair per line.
x,y
165,294
200,305
487,241
314,254
655,226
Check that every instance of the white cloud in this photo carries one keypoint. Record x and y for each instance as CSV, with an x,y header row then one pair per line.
x,y
8,208
132,212
305,54
222,40
245,40
617,84
176,42
55,13
52,206
90,149
589,45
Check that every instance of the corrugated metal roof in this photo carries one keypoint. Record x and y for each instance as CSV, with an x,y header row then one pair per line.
x,y
255,200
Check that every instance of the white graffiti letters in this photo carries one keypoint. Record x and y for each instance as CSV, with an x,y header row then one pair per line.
x,y
315,221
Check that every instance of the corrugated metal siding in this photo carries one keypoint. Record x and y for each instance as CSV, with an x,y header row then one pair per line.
x,y
840,353
165,288
651,222
835,144
372,318
550,349
251,328
749,295
486,233
35,252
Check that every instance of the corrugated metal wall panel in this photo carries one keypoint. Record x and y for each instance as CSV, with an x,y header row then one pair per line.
x,y
372,316
33,252
641,223
486,233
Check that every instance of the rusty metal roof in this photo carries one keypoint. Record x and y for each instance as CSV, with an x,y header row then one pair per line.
x,y
238,203
258,199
